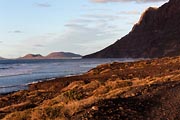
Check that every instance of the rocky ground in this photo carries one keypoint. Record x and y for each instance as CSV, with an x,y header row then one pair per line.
x,y
147,89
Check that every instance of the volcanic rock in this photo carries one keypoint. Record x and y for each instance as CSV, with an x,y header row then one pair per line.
x,y
157,34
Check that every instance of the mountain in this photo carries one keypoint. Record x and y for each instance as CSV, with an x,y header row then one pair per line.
x,y
157,34
54,55
32,56
1,58
61,55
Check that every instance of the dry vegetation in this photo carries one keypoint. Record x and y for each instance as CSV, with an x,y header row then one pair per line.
x,y
109,91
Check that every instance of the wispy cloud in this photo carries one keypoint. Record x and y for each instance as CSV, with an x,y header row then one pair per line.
x,y
138,1
91,38
45,5
129,12
81,20
102,17
16,31
38,45
90,32
74,25
96,9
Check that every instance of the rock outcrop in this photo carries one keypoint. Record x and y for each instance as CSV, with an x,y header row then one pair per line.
x,y
157,34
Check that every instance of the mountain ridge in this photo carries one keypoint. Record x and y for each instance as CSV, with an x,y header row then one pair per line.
x,y
1,58
157,34
32,56
57,55
53,55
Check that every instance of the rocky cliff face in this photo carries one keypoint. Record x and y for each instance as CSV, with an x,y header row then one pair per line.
x,y
157,34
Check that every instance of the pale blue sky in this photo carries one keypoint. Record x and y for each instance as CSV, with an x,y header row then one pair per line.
x,y
79,26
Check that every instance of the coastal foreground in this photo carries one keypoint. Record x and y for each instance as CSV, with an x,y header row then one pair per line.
x,y
147,89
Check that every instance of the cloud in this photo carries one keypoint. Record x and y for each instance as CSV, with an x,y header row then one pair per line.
x,y
89,21
38,45
102,16
81,20
129,12
16,31
45,5
139,1
88,8
84,37
89,33
74,25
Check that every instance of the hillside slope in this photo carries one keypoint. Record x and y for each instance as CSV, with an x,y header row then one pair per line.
x,y
157,34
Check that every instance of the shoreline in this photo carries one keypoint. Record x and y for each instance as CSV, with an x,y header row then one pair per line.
x,y
77,76
38,81
125,87
16,88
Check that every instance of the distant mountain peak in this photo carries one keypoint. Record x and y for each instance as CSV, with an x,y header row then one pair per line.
x,y
56,55
1,58
32,56
53,55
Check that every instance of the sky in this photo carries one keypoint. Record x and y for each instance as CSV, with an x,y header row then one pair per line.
x,y
78,26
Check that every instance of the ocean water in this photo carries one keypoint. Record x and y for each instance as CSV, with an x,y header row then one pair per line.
x,y
17,74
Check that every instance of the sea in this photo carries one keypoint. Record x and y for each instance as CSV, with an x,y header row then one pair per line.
x,y
18,74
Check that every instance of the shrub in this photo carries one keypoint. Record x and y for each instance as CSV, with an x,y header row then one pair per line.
x,y
53,112
73,95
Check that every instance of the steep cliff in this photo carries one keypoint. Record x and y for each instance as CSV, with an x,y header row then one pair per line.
x,y
157,34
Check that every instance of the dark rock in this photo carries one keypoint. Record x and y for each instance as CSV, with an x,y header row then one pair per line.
x,y
157,34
